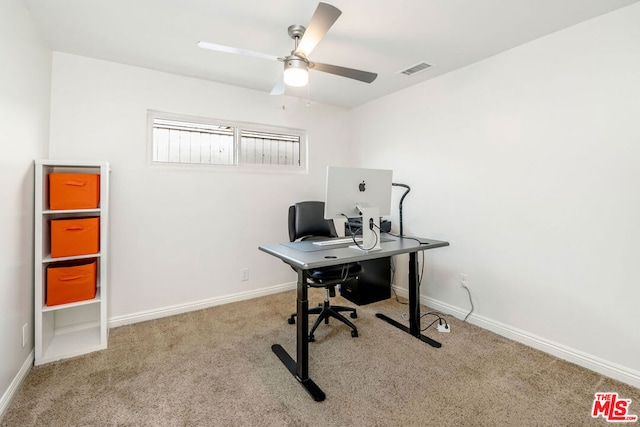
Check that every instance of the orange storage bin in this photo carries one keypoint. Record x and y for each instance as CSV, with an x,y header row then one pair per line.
x,y
71,282
74,191
77,236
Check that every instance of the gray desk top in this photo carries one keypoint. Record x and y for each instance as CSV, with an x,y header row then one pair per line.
x,y
305,255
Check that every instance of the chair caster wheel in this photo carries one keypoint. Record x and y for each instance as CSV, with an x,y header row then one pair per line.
x,y
354,315
291,320
354,334
311,338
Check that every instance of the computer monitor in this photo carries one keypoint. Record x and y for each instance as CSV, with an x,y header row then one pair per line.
x,y
359,192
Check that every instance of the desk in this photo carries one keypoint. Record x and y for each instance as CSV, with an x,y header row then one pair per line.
x,y
304,256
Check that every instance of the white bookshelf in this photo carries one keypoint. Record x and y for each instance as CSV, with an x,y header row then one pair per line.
x,y
68,330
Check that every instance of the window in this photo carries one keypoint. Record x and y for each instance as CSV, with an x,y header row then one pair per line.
x,y
196,141
187,142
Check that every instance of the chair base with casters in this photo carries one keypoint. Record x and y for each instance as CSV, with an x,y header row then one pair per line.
x,y
326,311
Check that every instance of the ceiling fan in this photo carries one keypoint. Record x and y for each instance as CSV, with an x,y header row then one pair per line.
x,y
297,64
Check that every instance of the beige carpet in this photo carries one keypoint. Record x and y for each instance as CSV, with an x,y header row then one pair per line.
x,y
215,367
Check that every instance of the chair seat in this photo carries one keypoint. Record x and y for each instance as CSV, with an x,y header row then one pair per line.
x,y
326,275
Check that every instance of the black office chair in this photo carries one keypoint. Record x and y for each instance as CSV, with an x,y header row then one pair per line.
x,y
306,222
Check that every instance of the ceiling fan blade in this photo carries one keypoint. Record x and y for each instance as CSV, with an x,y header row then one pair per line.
x,y
228,49
323,18
278,89
363,76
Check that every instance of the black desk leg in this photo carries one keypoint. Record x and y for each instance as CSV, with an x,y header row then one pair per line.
x,y
414,305
300,369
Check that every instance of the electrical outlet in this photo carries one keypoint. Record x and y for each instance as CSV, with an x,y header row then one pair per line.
x,y
444,328
464,280
25,336
244,274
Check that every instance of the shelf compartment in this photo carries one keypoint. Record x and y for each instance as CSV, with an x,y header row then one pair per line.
x,y
74,190
74,236
65,344
98,299
71,332
45,230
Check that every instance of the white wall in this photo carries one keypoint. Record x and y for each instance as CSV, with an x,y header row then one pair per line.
x,y
24,117
527,163
179,237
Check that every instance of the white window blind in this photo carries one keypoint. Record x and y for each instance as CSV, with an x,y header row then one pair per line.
x,y
188,141
269,148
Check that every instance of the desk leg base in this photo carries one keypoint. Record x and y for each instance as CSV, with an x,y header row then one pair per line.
x,y
311,387
398,325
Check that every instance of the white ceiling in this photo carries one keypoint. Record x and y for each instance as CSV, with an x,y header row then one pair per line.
x,y
381,36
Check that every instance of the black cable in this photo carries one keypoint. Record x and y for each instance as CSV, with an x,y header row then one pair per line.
x,y
407,237
430,325
351,233
353,236
440,319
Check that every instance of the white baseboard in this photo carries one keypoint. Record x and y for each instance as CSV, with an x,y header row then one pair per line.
x,y
197,305
8,396
596,364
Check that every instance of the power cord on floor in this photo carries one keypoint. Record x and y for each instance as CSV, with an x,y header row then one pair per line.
x,y
440,318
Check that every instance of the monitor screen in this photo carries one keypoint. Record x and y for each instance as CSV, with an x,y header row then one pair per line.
x,y
349,187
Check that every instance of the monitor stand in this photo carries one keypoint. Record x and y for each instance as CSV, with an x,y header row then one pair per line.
x,y
370,234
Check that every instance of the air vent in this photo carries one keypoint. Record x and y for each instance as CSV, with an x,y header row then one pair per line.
x,y
415,69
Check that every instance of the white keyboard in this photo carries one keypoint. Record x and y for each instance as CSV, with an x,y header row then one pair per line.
x,y
337,241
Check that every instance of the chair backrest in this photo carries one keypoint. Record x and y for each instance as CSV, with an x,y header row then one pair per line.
x,y
306,219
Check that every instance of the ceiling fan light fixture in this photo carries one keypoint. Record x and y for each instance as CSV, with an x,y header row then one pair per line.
x,y
296,72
